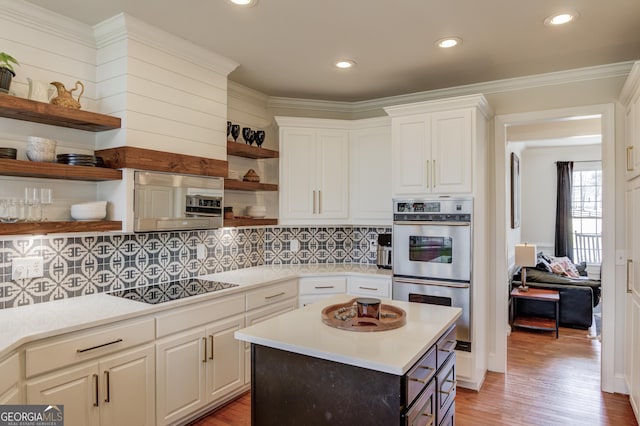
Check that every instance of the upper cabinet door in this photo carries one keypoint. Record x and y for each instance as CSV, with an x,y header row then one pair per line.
x,y
297,173
332,200
411,155
370,176
451,149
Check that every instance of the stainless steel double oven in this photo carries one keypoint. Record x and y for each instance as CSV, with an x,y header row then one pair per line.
x,y
432,251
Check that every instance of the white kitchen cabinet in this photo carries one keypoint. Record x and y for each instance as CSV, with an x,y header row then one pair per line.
x,y
10,387
115,390
198,361
379,287
434,144
314,173
314,289
370,172
632,332
630,97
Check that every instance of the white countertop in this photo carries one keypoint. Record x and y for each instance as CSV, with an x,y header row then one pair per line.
x,y
23,324
393,351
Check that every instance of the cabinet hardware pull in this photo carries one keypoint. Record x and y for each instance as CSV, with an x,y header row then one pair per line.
x,y
211,341
451,348
106,377
314,202
319,202
452,388
323,286
434,174
428,173
204,347
95,382
368,288
430,418
423,381
282,293
629,275
630,157
99,346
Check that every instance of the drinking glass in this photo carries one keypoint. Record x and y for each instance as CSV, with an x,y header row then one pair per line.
x,y
32,200
45,200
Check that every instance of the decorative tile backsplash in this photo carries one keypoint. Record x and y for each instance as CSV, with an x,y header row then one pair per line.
x,y
82,265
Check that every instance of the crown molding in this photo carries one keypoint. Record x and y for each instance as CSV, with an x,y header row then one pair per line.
x,y
38,18
237,90
126,26
443,104
632,85
497,86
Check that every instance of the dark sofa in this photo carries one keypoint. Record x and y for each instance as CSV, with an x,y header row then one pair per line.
x,y
578,297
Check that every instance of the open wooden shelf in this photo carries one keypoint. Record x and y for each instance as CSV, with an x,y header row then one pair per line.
x,y
248,151
240,185
249,222
40,112
38,228
56,171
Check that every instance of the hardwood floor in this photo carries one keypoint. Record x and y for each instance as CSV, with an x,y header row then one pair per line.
x,y
548,382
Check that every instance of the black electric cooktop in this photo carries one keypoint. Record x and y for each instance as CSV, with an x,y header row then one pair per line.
x,y
166,292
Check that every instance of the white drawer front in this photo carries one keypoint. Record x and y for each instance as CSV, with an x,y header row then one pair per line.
x,y
363,286
323,285
180,319
271,294
80,346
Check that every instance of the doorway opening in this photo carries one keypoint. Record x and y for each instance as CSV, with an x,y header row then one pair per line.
x,y
517,128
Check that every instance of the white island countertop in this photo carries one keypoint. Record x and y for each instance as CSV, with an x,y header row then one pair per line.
x,y
392,351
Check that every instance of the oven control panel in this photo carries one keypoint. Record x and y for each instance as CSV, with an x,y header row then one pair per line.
x,y
446,210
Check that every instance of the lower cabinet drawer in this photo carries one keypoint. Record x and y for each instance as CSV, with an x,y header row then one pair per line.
x,y
72,348
322,285
420,374
375,287
446,346
446,385
271,294
423,411
449,418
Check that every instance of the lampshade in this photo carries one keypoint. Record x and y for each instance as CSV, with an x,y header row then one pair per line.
x,y
526,255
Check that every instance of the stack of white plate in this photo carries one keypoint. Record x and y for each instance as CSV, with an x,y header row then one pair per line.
x,y
95,210
257,211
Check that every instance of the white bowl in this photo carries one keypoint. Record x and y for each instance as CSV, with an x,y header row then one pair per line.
x,y
89,211
257,211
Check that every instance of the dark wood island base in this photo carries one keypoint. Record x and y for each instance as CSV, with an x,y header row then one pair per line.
x,y
293,389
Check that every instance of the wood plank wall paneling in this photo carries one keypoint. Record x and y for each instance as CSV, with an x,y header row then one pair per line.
x,y
549,382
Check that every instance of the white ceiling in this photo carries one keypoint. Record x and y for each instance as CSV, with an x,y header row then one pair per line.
x,y
286,47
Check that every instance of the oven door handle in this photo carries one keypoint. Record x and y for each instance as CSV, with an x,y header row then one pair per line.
x,y
429,282
433,223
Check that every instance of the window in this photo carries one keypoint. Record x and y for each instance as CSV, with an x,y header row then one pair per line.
x,y
586,211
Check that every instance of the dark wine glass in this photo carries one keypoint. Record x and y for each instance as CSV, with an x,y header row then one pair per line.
x,y
259,137
228,129
246,134
235,131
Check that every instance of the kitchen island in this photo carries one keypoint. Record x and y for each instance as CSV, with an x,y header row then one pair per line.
x,y
306,372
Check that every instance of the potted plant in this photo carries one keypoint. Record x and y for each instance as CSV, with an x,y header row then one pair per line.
x,y
6,71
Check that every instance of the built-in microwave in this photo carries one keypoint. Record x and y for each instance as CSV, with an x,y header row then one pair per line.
x,y
167,201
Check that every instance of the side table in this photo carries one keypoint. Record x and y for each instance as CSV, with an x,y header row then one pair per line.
x,y
536,323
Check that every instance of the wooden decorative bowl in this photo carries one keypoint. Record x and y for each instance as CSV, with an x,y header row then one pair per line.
x,y
390,317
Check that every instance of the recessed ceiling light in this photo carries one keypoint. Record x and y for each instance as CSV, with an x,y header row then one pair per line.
x,y
448,42
244,2
561,18
344,64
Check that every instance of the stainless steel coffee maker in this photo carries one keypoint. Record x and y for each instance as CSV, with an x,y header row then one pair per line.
x,y
384,252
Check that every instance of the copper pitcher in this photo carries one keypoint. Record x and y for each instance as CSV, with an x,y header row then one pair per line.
x,y
65,98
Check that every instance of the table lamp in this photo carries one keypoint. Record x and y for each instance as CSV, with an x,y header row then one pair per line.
x,y
525,256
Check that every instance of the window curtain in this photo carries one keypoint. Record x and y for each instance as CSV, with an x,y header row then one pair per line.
x,y
564,227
